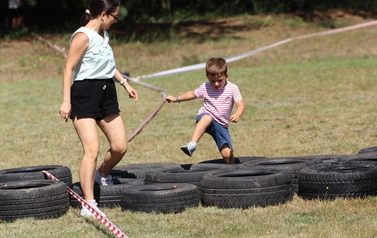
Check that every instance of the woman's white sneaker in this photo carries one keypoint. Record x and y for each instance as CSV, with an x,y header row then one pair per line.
x,y
87,214
103,181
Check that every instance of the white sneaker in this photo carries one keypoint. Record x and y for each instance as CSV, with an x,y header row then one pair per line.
x,y
103,181
189,148
87,214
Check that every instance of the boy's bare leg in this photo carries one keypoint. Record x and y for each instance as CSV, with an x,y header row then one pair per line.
x,y
227,154
201,127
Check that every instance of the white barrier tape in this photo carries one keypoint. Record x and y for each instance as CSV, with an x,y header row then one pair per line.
x,y
172,71
93,210
247,54
253,52
202,65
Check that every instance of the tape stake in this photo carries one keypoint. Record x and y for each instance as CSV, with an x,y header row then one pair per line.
x,y
117,232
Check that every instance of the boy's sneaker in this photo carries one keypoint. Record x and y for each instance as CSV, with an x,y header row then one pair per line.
x,y
87,214
103,181
189,148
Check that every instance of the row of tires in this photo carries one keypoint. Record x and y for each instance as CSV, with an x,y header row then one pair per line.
x,y
169,187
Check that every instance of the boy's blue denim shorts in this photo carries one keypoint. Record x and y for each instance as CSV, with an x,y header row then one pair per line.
x,y
218,132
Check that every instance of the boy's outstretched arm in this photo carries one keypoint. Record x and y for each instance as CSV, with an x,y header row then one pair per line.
x,y
240,105
190,95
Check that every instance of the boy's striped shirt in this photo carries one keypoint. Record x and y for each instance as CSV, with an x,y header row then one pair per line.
x,y
218,102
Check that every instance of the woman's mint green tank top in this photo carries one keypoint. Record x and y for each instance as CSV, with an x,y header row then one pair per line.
x,y
98,61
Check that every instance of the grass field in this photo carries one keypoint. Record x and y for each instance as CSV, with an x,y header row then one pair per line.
x,y
307,97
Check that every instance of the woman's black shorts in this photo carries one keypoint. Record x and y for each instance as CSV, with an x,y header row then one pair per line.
x,y
16,13
93,98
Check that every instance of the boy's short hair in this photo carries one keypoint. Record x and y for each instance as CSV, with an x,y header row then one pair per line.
x,y
216,66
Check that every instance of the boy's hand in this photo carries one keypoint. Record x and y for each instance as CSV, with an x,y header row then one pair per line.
x,y
170,99
190,95
234,118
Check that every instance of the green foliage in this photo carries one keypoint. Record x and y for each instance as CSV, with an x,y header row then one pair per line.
x,y
63,16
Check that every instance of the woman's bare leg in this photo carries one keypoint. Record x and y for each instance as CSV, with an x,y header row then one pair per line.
x,y
86,129
113,127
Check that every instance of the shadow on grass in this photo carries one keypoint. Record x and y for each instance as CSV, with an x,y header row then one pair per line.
x,y
214,29
200,30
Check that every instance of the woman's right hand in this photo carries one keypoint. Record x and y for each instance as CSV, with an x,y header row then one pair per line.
x,y
65,111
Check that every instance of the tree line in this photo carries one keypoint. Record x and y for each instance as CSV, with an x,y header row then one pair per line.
x,y
64,15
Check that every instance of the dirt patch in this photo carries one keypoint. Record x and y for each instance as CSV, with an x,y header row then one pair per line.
x,y
26,57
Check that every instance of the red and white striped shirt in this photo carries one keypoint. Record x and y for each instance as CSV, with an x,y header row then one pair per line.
x,y
218,103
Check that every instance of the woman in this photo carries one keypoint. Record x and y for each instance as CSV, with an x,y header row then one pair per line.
x,y
91,100
16,13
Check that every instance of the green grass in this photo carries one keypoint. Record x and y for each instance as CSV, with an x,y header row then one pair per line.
x,y
309,97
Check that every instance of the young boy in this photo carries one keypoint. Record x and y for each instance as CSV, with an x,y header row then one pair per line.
x,y
213,117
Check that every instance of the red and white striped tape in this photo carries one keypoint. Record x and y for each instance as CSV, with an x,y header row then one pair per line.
x,y
93,210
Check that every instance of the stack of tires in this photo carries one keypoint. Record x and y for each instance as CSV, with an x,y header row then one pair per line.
x,y
26,192
177,187
170,189
356,178
160,198
288,165
244,188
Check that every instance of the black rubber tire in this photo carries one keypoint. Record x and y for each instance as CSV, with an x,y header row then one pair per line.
x,y
138,170
161,198
40,199
368,150
325,158
63,173
344,179
244,188
367,157
184,174
107,196
239,160
290,165
317,158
